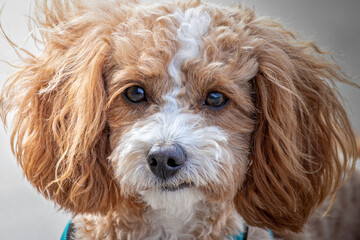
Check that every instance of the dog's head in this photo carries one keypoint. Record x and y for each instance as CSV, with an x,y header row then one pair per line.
x,y
172,104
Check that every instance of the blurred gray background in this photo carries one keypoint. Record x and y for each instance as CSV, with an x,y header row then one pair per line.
x,y
334,25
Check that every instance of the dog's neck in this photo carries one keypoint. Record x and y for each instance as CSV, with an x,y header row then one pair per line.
x,y
163,223
142,222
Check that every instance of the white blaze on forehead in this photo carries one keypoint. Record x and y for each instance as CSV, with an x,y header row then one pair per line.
x,y
193,24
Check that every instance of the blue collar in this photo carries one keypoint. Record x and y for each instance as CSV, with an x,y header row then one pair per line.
x,y
68,231
241,235
244,235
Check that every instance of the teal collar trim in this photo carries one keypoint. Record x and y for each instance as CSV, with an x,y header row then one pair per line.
x,y
68,232
65,233
241,235
238,237
244,235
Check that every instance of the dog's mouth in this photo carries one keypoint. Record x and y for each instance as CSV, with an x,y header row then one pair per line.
x,y
176,188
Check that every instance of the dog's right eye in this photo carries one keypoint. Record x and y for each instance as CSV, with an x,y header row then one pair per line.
x,y
135,94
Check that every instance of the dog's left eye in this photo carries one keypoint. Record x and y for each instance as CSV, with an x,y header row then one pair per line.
x,y
135,94
216,99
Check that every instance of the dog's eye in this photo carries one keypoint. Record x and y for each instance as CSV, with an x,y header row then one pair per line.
x,y
135,94
216,99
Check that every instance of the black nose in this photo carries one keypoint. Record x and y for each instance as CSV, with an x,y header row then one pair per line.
x,y
166,160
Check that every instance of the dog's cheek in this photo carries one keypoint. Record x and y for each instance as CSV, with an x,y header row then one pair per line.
x,y
237,146
240,149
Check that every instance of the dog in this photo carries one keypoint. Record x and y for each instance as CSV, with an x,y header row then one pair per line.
x,y
180,120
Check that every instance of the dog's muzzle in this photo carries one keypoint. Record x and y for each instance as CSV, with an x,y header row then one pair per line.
x,y
166,160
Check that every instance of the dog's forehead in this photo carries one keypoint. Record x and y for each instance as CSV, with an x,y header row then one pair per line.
x,y
159,42
171,48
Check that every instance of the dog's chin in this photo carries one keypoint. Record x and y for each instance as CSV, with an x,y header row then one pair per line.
x,y
173,188
173,199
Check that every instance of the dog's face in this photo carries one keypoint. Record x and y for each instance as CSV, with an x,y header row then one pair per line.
x,y
180,113
174,104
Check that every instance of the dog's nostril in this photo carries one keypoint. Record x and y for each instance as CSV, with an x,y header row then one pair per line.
x,y
172,163
153,162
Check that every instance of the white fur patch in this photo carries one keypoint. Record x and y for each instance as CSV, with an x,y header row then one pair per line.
x,y
194,23
182,201
175,221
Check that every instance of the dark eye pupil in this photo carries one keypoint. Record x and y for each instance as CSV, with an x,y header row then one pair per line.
x,y
215,99
135,94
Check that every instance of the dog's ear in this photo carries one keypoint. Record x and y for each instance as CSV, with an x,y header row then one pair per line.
x,y
60,135
301,132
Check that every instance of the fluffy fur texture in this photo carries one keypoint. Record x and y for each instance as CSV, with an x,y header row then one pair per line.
x,y
269,157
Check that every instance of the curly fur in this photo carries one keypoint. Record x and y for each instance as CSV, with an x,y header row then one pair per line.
x,y
270,157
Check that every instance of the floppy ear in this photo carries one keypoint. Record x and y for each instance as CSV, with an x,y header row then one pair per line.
x,y
301,131
60,135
